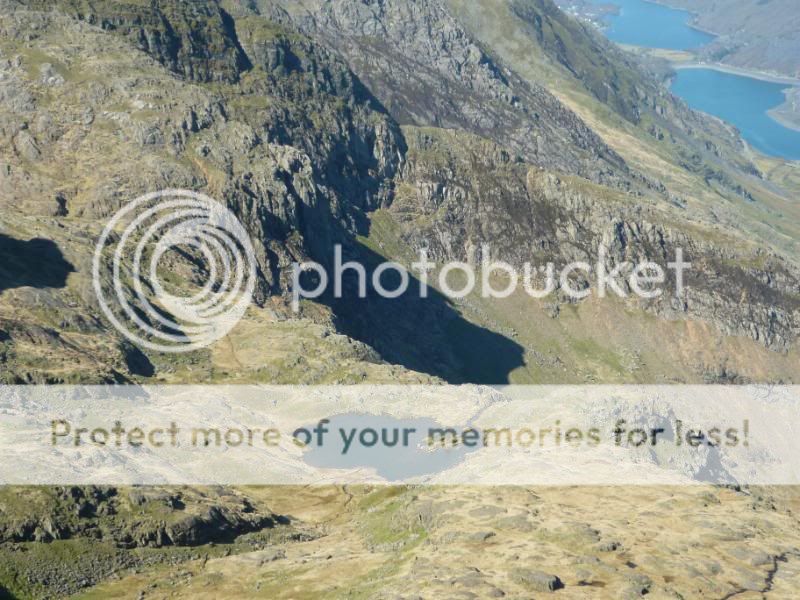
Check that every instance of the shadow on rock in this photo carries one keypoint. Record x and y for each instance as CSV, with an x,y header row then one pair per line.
x,y
136,361
427,335
6,595
36,263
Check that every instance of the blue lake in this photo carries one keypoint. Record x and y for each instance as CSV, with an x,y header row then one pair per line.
x,y
396,449
743,102
642,23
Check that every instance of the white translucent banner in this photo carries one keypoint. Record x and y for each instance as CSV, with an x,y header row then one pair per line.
x,y
516,435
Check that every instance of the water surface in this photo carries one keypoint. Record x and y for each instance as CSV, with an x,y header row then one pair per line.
x,y
394,455
641,23
743,102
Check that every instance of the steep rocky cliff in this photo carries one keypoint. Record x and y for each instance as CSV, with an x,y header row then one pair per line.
x,y
388,126
429,71
310,118
469,193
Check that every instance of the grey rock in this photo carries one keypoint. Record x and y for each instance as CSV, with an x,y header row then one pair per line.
x,y
753,557
537,580
481,536
638,585
49,76
26,146
609,546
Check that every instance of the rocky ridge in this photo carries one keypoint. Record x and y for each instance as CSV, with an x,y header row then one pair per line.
x,y
305,118
388,126
472,193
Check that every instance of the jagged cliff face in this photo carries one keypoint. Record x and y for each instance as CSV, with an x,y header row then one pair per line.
x,y
429,71
192,39
469,193
95,115
309,118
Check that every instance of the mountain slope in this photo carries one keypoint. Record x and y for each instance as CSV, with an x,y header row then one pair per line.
x,y
753,34
428,71
307,117
387,126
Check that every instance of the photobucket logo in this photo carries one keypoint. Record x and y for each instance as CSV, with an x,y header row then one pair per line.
x,y
497,279
175,225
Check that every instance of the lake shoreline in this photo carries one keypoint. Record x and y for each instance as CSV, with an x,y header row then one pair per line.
x,y
766,101
757,107
617,14
692,23
742,72
772,77
776,114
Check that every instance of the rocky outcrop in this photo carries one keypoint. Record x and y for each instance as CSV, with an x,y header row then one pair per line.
x,y
192,39
428,70
138,517
299,149
291,114
537,580
463,192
